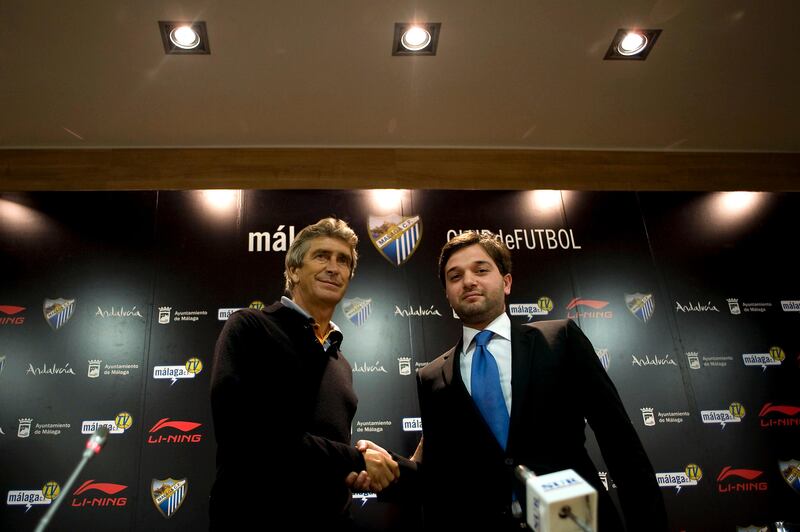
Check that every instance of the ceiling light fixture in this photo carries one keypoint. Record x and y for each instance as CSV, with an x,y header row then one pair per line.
x,y
416,38
632,44
182,37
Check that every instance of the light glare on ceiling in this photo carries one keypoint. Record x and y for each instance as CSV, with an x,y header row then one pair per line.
x,y
633,43
184,37
415,39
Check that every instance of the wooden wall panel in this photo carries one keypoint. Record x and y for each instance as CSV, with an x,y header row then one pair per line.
x,y
275,168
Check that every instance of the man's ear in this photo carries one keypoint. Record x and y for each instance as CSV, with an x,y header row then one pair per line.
x,y
507,284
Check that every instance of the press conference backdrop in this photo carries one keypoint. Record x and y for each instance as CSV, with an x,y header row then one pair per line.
x,y
111,303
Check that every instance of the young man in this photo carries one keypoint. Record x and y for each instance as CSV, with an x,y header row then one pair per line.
x,y
505,396
282,399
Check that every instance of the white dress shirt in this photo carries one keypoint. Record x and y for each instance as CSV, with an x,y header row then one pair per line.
x,y
499,346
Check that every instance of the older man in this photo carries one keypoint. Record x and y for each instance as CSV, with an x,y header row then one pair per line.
x,y
283,402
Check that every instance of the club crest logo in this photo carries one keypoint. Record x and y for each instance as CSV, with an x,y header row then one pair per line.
x,y
641,305
357,310
790,471
604,357
396,237
57,312
168,495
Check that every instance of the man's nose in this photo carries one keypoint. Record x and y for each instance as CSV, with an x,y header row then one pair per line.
x,y
333,266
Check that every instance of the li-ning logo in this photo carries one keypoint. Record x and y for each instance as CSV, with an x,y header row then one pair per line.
x,y
103,487
574,313
8,315
648,417
183,426
740,480
787,416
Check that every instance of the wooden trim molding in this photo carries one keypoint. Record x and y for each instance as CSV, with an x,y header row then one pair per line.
x,y
414,168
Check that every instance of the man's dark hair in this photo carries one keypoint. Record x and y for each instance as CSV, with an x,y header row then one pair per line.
x,y
490,243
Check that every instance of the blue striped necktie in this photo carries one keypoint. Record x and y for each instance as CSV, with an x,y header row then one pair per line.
x,y
486,390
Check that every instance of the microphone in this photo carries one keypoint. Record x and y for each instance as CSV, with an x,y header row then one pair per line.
x,y
94,445
557,502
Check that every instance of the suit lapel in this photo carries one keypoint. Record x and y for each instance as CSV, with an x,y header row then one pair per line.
x,y
522,345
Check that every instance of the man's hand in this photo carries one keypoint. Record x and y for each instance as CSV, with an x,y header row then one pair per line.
x,y
357,481
417,456
381,470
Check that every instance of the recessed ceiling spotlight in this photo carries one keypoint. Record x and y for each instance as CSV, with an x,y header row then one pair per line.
x,y
632,44
416,38
184,37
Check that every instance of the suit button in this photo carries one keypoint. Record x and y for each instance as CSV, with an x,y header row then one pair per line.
x,y
509,461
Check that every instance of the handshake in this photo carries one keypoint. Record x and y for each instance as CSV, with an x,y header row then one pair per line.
x,y
382,471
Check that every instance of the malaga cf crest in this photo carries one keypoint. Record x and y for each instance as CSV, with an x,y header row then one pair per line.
x,y
58,311
641,305
395,236
357,310
790,471
168,495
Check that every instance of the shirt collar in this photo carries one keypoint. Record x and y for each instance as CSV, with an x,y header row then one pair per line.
x,y
501,326
286,302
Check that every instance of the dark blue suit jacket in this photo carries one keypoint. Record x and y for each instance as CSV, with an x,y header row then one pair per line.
x,y
557,385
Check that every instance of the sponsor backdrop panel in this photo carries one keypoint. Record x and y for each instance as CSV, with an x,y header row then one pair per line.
x,y
74,315
733,300
620,305
693,311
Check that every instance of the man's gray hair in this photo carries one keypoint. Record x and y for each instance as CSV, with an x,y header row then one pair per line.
x,y
327,227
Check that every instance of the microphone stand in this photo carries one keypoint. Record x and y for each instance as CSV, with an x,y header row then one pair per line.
x,y
93,447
